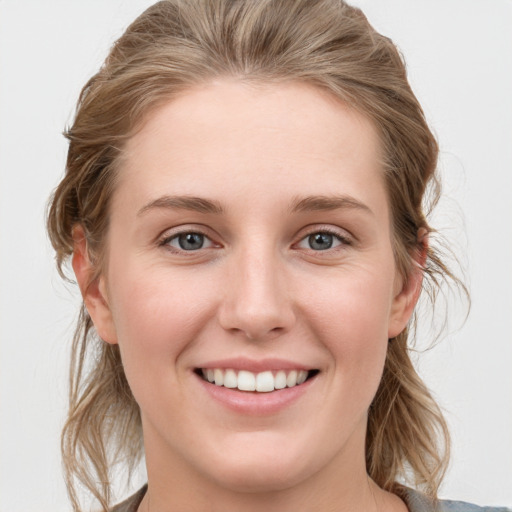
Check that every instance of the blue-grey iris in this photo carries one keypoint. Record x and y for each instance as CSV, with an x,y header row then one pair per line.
x,y
191,241
320,241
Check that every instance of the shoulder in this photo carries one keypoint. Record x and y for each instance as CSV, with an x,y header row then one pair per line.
x,y
132,503
417,502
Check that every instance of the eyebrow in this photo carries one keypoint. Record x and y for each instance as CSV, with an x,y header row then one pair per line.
x,y
326,203
298,205
196,204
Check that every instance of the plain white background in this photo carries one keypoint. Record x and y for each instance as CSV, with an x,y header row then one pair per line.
x,y
459,56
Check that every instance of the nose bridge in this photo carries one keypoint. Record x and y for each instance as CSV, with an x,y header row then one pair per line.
x,y
256,301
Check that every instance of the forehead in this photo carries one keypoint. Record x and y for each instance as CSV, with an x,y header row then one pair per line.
x,y
262,137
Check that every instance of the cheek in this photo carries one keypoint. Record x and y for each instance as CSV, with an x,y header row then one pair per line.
x,y
157,316
351,317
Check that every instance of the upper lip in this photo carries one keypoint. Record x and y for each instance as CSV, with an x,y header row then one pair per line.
x,y
255,366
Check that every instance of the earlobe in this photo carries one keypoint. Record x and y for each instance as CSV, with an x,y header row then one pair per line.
x,y
92,288
407,297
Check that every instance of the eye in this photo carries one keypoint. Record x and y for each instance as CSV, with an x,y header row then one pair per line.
x,y
188,241
322,241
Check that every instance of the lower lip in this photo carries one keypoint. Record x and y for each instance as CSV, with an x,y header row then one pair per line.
x,y
254,403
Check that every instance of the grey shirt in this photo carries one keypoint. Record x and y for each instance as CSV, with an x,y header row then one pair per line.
x,y
415,501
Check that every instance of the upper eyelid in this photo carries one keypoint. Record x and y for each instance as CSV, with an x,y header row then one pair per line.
x,y
336,231
180,230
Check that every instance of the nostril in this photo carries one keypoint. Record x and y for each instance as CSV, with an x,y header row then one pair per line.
x,y
254,335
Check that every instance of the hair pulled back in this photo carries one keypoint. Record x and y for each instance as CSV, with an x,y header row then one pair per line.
x,y
172,46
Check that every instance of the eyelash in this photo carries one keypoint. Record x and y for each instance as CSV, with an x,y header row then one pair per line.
x,y
166,240
344,240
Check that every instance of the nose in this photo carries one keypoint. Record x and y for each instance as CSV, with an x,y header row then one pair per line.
x,y
257,300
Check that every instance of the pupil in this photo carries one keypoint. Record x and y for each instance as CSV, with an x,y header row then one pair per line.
x,y
191,241
320,241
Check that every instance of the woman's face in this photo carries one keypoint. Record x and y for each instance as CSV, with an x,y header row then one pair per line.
x,y
250,243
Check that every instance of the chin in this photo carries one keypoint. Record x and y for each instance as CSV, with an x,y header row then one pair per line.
x,y
263,470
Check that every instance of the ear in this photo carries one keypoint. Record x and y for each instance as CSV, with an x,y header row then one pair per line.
x,y
93,289
408,293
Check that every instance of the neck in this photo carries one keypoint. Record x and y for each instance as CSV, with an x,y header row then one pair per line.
x,y
372,499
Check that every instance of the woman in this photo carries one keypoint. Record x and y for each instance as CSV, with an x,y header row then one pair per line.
x,y
243,209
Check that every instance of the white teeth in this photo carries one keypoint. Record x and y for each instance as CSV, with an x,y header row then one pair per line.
x,y
230,379
263,382
302,376
280,380
219,377
246,381
291,380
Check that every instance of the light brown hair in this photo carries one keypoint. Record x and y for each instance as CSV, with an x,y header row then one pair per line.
x,y
179,43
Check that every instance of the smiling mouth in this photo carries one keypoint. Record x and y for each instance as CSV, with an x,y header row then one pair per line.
x,y
262,382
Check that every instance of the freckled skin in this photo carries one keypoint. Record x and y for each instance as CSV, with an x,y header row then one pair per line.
x,y
256,289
